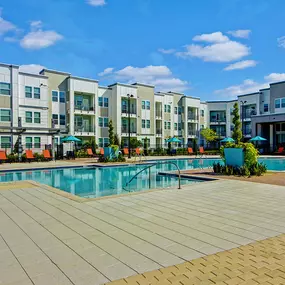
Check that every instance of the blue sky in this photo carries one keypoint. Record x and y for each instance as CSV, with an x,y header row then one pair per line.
x,y
213,49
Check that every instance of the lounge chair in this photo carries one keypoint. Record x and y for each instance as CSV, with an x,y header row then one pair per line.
x,y
3,156
190,151
125,151
138,151
46,154
201,151
90,152
101,151
280,150
29,155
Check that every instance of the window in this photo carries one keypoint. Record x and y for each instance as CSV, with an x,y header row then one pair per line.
x,y
37,93
147,105
202,127
277,103
169,125
106,122
106,102
148,124
37,117
28,92
283,103
143,105
62,120
265,107
106,142
100,102
165,108
29,117
179,110
278,127
5,88
202,113
179,126
62,97
143,124
100,142
182,110
175,110
55,119
5,142
29,142
37,142
165,125
54,96
100,122
168,108
5,115
175,126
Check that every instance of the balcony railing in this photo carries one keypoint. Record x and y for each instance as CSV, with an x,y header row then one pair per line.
x,y
126,130
84,108
192,133
83,129
158,114
193,117
249,113
221,134
159,131
215,120
126,111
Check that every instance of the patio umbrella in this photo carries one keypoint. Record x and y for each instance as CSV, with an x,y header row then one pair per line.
x,y
71,139
174,139
257,139
225,140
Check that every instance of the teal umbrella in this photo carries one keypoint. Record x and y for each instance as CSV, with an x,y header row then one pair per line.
x,y
257,139
71,139
225,140
174,139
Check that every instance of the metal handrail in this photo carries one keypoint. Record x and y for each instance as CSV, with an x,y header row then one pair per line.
x,y
140,156
154,164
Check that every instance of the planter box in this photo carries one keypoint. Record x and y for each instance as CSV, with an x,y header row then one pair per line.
x,y
234,156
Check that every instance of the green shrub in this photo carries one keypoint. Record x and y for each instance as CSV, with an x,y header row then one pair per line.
x,y
107,159
82,153
12,158
39,157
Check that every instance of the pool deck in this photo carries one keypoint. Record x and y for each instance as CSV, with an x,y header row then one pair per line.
x,y
231,231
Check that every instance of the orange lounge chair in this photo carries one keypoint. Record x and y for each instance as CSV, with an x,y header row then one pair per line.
x,y
102,151
46,154
138,151
190,150
3,156
29,155
126,151
90,152
280,150
201,151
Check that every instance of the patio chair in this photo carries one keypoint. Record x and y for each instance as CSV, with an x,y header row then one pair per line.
x,y
29,155
3,156
101,151
90,152
280,150
138,151
190,151
125,151
201,152
46,154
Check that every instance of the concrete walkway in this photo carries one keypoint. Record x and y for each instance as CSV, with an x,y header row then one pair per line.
x,y
46,238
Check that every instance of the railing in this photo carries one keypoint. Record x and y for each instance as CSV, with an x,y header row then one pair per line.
x,y
83,129
159,132
84,108
193,117
214,120
126,130
192,133
155,164
126,111
158,114
249,113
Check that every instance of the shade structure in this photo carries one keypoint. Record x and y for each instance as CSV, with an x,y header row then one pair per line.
x,y
257,139
225,140
71,139
174,139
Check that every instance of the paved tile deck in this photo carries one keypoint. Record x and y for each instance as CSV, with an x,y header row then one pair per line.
x,y
46,238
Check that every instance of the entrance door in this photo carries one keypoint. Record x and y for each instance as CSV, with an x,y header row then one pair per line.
x,y
85,104
86,126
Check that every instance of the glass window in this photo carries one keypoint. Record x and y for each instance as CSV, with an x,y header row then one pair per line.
x,y
106,142
179,126
168,108
29,142
28,92
143,124
283,103
5,142
62,120
100,122
165,125
175,126
55,119
278,127
283,127
148,124
106,102
169,125
147,105
100,142
182,110
29,117
265,107
143,105
37,117
62,97
5,88
37,142
165,108
277,103
202,113
179,110
54,96
106,122
37,93
100,101
175,110
5,115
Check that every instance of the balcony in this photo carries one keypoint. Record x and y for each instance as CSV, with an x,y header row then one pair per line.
x,y
192,133
248,114
158,114
125,131
158,132
86,110
84,130
193,117
217,120
221,134
125,112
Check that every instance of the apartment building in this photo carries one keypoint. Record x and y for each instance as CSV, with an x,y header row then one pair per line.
x,y
53,104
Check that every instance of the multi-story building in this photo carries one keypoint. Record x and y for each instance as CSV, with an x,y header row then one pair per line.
x,y
55,104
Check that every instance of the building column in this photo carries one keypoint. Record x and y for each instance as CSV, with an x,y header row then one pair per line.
x,y
271,137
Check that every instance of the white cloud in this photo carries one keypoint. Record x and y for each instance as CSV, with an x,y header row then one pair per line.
x,y
166,51
250,86
241,65
106,71
281,42
96,2
219,52
38,39
158,75
31,68
244,34
216,37
5,26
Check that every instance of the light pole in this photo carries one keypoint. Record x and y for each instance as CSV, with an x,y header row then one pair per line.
x,y
242,118
129,123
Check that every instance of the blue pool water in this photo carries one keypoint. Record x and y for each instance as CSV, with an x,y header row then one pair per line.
x,y
106,181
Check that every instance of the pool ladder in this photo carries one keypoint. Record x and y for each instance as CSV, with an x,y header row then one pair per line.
x,y
149,177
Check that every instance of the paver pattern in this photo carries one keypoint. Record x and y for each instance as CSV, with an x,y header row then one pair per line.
x,y
47,238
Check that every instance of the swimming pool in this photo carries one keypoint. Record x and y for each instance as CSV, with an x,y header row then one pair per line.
x,y
105,181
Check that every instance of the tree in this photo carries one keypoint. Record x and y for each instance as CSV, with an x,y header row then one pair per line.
x,y
111,133
209,135
91,143
134,142
116,139
237,133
